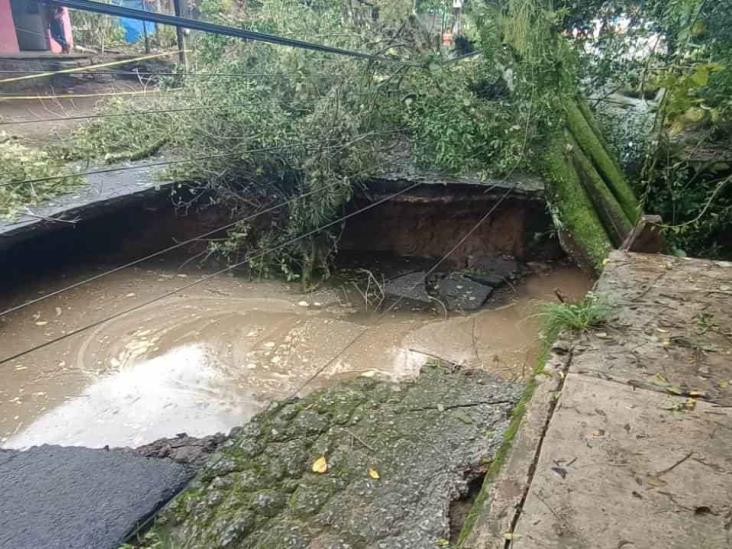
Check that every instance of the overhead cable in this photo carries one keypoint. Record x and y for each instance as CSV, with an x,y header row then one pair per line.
x,y
421,280
87,67
205,278
180,161
163,251
213,28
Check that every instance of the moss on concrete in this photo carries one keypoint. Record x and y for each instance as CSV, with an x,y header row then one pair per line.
x,y
425,438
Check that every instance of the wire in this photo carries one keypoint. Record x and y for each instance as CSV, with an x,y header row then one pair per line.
x,y
153,164
116,115
90,116
111,9
181,161
41,74
135,113
206,277
161,252
442,259
153,73
75,95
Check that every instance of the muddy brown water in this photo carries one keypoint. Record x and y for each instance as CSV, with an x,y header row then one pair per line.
x,y
208,358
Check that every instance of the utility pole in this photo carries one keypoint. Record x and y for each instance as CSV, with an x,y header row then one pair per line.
x,y
144,29
179,34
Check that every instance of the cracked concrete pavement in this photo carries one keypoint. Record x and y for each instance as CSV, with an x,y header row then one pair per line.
x,y
627,443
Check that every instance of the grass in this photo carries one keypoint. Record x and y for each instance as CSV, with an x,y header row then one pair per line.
x,y
591,312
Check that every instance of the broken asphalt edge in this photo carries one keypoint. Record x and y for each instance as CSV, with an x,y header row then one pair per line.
x,y
497,507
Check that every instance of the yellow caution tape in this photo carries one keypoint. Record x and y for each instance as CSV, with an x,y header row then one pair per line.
x,y
89,67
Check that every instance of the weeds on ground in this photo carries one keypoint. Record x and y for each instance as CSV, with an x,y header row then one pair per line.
x,y
21,164
592,311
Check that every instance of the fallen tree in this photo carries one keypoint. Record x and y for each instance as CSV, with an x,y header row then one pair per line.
x,y
310,127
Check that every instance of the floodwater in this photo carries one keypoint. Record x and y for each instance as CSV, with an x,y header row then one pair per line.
x,y
208,358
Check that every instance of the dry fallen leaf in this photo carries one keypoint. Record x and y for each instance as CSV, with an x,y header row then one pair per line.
x,y
374,474
320,465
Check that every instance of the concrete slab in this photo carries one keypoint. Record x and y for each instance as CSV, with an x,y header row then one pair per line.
x,y
638,451
621,468
671,330
61,497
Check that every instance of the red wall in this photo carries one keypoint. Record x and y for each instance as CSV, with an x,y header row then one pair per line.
x,y
8,40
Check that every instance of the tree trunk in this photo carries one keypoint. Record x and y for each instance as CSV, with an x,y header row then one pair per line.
x,y
580,230
593,205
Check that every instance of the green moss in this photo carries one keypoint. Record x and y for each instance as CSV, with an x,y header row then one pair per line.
x,y
597,152
260,490
575,212
616,223
500,458
590,119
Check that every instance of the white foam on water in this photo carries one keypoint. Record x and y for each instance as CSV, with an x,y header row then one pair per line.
x,y
183,390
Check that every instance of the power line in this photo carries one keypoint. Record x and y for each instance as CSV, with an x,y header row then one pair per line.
x,y
77,95
154,111
148,73
182,22
206,277
443,258
161,252
401,298
120,114
40,74
154,164
91,116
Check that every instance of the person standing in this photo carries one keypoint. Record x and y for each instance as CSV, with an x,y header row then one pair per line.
x,y
55,21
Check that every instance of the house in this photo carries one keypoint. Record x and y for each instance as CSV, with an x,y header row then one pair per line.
x,y
24,27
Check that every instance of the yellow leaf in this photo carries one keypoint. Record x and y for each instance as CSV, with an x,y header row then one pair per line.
x,y
320,465
374,474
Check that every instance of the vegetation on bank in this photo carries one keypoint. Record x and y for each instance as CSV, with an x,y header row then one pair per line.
x,y
266,123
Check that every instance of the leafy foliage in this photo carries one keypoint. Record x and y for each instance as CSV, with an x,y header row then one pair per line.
x,y
120,137
19,164
302,124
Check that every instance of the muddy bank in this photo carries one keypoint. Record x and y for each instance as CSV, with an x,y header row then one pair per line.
x,y
430,220
390,460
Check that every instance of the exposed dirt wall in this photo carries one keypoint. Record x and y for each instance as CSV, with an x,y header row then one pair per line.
x,y
429,222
